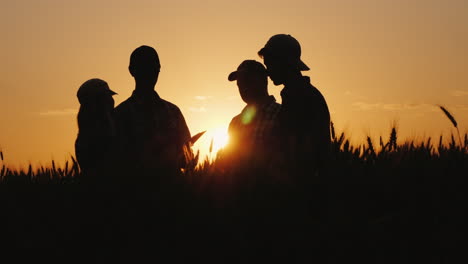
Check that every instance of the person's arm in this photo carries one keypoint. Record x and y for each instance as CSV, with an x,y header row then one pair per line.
x,y
183,138
185,132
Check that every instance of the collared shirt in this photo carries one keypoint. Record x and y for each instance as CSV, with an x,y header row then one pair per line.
x,y
304,121
253,127
152,131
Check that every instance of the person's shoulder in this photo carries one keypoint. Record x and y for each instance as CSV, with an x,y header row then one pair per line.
x,y
318,95
313,92
236,118
319,102
125,111
234,122
171,106
124,106
272,108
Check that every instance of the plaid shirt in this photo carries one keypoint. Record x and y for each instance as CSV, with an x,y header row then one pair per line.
x,y
151,131
254,125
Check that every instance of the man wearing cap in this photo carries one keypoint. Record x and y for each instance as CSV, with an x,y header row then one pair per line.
x,y
250,131
152,131
304,118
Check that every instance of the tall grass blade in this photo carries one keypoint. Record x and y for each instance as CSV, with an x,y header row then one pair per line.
x,y
211,146
454,122
371,147
30,173
332,129
466,140
393,139
196,137
449,116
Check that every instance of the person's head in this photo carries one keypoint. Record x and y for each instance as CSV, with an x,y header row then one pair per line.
x,y
282,57
252,80
96,94
96,102
144,66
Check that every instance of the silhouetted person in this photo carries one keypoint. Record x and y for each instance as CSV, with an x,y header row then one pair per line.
x,y
96,131
304,116
250,132
152,131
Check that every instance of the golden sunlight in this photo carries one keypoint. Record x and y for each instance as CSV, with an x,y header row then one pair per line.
x,y
220,138
212,141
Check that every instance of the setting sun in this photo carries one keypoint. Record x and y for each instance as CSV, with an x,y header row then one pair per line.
x,y
216,138
220,138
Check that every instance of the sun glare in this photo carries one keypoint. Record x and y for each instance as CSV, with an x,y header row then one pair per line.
x,y
214,139
220,138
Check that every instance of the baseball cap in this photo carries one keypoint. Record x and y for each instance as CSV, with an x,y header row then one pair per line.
x,y
286,47
92,88
248,67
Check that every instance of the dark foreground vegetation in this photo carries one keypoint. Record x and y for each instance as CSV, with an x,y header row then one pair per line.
x,y
381,202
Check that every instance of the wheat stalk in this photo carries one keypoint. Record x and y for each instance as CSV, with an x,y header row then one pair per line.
x,y
454,122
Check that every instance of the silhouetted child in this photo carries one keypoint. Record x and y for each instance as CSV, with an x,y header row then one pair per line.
x,y
96,132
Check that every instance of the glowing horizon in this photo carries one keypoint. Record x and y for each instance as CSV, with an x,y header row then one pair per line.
x,y
376,63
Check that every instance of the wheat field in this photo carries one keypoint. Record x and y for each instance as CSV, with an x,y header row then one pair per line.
x,y
383,201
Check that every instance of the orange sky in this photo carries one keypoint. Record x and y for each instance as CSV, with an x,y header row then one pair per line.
x,y
376,62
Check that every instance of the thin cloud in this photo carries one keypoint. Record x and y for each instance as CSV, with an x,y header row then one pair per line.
x,y
201,109
394,107
459,93
391,107
62,112
462,107
366,106
202,97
